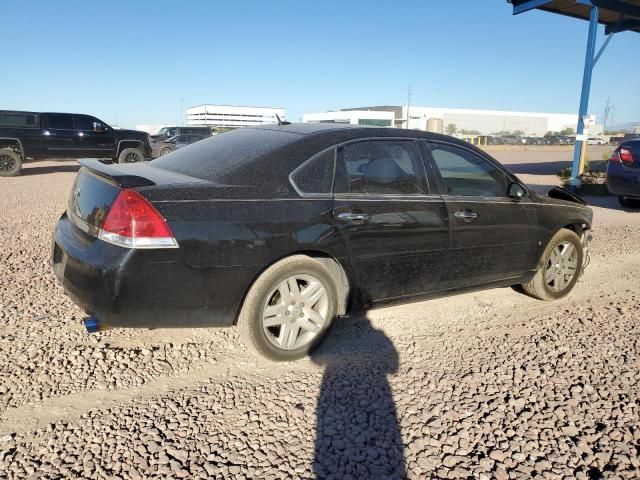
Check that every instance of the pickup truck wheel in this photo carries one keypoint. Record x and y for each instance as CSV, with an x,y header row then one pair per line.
x,y
130,155
10,163
166,150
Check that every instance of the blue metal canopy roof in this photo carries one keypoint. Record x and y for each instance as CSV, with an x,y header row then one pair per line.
x,y
616,15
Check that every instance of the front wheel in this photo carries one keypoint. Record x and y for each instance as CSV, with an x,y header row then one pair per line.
x,y
560,267
10,163
165,151
131,155
289,308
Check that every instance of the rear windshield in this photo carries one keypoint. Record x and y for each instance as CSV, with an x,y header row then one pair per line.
x,y
222,154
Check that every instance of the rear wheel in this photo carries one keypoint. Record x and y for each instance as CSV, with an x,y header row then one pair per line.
x,y
560,268
10,163
289,308
131,155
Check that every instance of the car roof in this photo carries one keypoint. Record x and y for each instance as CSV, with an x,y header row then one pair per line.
x,y
307,128
355,131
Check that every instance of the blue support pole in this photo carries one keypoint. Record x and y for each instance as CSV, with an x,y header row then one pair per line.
x,y
584,97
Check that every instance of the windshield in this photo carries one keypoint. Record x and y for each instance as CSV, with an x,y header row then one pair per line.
x,y
166,132
220,155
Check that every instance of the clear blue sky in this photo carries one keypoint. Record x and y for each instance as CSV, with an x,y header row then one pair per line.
x,y
132,61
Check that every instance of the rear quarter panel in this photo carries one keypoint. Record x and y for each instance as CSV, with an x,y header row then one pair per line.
x,y
231,242
622,180
229,232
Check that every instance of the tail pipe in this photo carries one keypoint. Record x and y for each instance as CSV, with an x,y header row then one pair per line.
x,y
93,325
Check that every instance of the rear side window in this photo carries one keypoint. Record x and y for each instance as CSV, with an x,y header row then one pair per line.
x,y
386,167
215,157
466,174
60,121
17,119
315,176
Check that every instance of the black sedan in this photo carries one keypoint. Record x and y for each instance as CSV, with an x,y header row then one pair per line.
x,y
281,229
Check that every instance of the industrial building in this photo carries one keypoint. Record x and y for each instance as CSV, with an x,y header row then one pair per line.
x,y
230,116
486,122
370,118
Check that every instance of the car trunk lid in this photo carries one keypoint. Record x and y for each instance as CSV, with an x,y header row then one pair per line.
x,y
98,184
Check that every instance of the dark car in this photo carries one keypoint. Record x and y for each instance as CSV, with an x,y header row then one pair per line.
x,y
167,132
623,173
160,148
513,140
280,229
33,136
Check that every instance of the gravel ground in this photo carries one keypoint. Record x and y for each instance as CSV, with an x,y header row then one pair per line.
x,y
485,385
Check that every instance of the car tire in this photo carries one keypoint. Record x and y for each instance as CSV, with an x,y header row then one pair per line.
x,y
165,151
552,280
10,163
274,322
131,155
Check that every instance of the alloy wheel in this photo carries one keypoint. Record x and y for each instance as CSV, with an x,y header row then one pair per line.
x,y
562,266
132,158
7,163
295,312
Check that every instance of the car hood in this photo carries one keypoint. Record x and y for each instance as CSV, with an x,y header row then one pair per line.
x,y
559,196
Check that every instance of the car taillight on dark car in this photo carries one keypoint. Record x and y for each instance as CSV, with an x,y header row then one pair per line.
x,y
132,222
622,155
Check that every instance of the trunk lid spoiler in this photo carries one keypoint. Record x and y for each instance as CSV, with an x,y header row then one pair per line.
x,y
133,175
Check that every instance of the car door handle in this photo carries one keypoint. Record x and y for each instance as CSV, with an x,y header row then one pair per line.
x,y
353,217
466,215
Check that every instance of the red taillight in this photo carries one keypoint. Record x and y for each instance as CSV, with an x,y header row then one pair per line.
x,y
134,223
623,155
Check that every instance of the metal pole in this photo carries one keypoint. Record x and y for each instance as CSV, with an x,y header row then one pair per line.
x,y
576,167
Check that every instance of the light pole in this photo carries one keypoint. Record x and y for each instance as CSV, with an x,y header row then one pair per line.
x,y
181,117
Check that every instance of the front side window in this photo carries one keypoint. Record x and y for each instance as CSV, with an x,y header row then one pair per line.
x,y
316,174
60,121
382,167
85,122
466,174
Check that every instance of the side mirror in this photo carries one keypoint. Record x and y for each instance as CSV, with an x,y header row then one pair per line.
x,y
516,191
99,127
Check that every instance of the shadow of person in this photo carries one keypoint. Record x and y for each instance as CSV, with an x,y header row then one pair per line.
x,y
357,432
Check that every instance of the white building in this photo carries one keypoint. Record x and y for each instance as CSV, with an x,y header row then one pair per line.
x,y
230,116
488,122
371,118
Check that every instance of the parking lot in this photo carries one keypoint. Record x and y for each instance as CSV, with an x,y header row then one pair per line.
x,y
491,384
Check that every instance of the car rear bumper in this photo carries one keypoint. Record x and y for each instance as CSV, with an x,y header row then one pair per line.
x,y
143,288
623,180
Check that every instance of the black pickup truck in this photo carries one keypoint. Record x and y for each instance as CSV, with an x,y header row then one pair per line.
x,y
30,135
